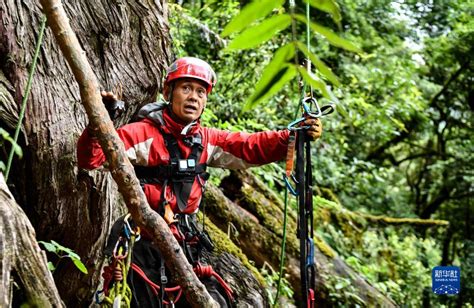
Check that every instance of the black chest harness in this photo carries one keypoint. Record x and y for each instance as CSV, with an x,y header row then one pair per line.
x,y
180,173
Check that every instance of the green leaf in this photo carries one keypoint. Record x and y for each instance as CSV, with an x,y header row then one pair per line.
x,y
314,81
250,13
323,68
16,148
280,59
332,37
260,33
51,266
60,247
339,286
49,247
328,6
285,74
80,266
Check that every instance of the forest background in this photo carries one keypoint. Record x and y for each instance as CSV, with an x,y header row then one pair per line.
x,y
399,145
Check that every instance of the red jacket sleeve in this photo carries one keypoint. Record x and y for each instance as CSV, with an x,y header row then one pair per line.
x,y
89,152
137,138
242,150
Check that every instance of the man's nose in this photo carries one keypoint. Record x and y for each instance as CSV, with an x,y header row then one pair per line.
x,y
193,95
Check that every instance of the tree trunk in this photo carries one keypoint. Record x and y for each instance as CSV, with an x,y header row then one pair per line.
x,y
20,253
126,43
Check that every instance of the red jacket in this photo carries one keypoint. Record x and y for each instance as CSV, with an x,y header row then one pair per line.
x,y
144,145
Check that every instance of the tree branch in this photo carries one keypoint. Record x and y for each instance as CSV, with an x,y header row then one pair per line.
x,y
453,77
121,169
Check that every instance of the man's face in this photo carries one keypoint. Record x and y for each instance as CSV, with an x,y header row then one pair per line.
x,y
189,99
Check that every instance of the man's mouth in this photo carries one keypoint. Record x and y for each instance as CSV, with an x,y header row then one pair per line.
x,y
190,108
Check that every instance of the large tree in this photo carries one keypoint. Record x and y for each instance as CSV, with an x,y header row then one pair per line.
x,y
127,44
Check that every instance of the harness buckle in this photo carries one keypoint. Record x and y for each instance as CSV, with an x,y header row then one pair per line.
x,y
186,165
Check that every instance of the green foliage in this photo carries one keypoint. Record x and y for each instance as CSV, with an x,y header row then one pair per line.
x,y
271,278
253,11
332,37
254,36
328,6
393,259
401,142
279,74
342,292
16,148
63,252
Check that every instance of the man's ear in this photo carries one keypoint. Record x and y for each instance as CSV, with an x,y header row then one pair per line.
x,y
166,92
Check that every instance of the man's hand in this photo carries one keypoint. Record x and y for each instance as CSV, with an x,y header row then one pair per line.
x,y
315,129
114,106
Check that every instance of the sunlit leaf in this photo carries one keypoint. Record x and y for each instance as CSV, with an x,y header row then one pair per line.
x,y
314,81
48,246
16,148
323,68
328,6
261,32
250,13
282,55
280,58
80,265
332,37
51,266
285,74
60,247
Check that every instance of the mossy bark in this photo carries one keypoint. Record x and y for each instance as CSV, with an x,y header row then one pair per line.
x,y
257,214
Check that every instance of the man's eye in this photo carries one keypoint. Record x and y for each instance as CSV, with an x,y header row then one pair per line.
x,y
201,92
186,89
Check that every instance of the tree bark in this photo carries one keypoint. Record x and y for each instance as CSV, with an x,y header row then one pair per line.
x,y
20,253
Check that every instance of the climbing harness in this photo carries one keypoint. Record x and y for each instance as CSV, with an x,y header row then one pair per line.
x,y
120,294
299,145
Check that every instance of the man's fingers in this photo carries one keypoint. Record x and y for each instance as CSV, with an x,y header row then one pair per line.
x,y
108,95
312,121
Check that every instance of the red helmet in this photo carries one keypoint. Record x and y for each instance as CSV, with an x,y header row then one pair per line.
x,y
192,68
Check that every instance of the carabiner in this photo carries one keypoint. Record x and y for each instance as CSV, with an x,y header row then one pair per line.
x,y
117,252
293,125
128,229
310,257
288,185
320,112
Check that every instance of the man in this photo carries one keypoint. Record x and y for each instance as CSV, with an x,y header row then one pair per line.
x,y
171,150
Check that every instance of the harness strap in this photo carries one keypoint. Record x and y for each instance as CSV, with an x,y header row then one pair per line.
x,y
182,186
156,288
158,174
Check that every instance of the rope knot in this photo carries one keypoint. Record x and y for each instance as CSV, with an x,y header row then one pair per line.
x,y
203,271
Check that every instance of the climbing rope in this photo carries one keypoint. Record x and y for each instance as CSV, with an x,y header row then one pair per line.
x,y
300,144
120,295
26,94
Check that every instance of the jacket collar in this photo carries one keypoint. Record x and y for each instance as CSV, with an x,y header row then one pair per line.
x,y
159,114
179,130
